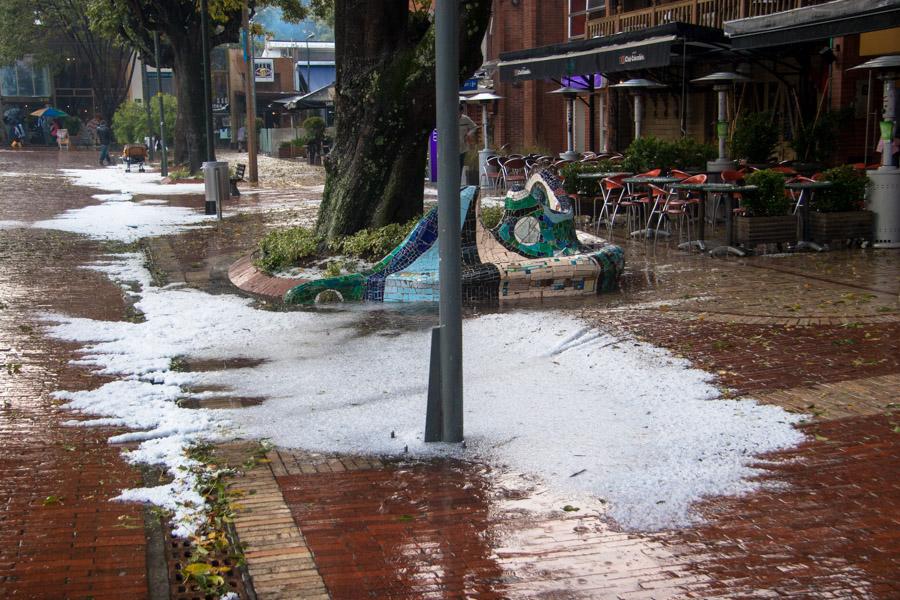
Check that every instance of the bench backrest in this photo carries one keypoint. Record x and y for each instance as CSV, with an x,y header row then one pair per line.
x,y
239,171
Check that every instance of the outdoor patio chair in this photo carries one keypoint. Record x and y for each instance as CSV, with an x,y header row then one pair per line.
x,y
492,174
679,174
514,172
613,200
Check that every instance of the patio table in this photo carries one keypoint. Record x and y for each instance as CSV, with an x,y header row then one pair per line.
x,y
807,190
602,174
700,242
728,190
639,180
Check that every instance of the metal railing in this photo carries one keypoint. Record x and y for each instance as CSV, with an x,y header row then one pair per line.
x,y
710,13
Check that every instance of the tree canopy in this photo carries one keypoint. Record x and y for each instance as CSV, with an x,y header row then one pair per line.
x,y
49,29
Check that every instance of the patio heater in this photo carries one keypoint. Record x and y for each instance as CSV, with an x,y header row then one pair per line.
x,y
484,98
637,87
570,93
722,81
885,188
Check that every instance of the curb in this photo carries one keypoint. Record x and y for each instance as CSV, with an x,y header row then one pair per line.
x,y
246,277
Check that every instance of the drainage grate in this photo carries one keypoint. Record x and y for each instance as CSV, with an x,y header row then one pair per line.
x,y
178,553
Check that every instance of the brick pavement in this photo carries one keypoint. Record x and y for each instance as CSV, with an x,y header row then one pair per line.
x,y
799,332
60,536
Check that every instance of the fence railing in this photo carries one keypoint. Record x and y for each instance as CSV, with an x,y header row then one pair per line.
x,y
710,13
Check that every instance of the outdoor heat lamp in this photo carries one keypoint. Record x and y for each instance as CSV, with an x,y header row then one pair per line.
x,y
484,98
721,82
890,67
885,188
637,88
570,93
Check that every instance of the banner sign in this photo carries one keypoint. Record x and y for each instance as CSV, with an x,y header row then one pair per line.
x,y
264,69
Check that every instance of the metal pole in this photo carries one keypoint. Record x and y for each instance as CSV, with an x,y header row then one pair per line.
x,y
638,106
570,125
145,85
887,125
722,124
484,125
207,102
164,164
868,120
604,145
250,95
447,58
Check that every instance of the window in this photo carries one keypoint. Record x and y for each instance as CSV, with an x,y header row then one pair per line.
x,y
579,13
24,79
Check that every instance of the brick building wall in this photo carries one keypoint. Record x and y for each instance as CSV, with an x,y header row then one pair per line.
x,y
527,117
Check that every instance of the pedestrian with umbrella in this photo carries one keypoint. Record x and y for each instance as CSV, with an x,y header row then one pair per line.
x,y
104,136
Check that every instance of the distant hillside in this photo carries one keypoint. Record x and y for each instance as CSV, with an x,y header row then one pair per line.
x,y
271,19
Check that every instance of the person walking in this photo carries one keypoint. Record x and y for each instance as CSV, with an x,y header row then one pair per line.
x,y
241,138
467,129
18,136
104,136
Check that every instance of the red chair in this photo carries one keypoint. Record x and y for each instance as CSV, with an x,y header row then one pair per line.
x,y
797,195
613,199
679,174
492,173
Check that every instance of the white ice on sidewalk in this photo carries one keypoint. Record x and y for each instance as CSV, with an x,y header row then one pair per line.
x,y
546,394
117,218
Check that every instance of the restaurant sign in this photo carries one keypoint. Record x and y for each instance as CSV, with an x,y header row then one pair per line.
x,y
264,70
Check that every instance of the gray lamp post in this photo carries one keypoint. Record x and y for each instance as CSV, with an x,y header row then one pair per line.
x,y
637,88
484,98
885,188
721,82
570,93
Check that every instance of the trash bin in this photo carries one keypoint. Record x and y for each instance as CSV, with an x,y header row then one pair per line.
x,y
215,176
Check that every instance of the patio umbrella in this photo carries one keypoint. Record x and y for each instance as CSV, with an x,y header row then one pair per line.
x,y
49,112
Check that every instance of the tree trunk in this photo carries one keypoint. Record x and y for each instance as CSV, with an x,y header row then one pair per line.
x,y
190,123
385,99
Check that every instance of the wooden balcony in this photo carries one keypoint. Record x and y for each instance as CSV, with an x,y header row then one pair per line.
x,y
711,13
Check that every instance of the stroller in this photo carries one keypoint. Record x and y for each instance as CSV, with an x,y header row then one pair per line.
x,y
134,154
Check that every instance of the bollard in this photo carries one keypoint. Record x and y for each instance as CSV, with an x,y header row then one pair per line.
x,y
215,176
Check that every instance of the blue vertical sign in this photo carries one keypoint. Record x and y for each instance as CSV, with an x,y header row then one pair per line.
x,y
433,149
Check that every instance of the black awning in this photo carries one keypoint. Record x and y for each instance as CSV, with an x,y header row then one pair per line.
x,y
628,51
811,23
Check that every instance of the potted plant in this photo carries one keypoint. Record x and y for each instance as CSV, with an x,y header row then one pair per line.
x,y
837,212
767,219
755,137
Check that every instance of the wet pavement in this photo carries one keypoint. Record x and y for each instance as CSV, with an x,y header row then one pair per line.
x,y
814,333
60,537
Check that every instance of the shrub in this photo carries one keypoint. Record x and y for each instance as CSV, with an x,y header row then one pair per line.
x,y
587,187
285,248
314,127
373,244
647,153
491,215
688,153
847,192
755,137
130,121
769,200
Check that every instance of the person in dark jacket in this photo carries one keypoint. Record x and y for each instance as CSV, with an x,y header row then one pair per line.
x,y
104,136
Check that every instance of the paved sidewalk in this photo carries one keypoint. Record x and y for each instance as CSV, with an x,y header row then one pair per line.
x,y
783,330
